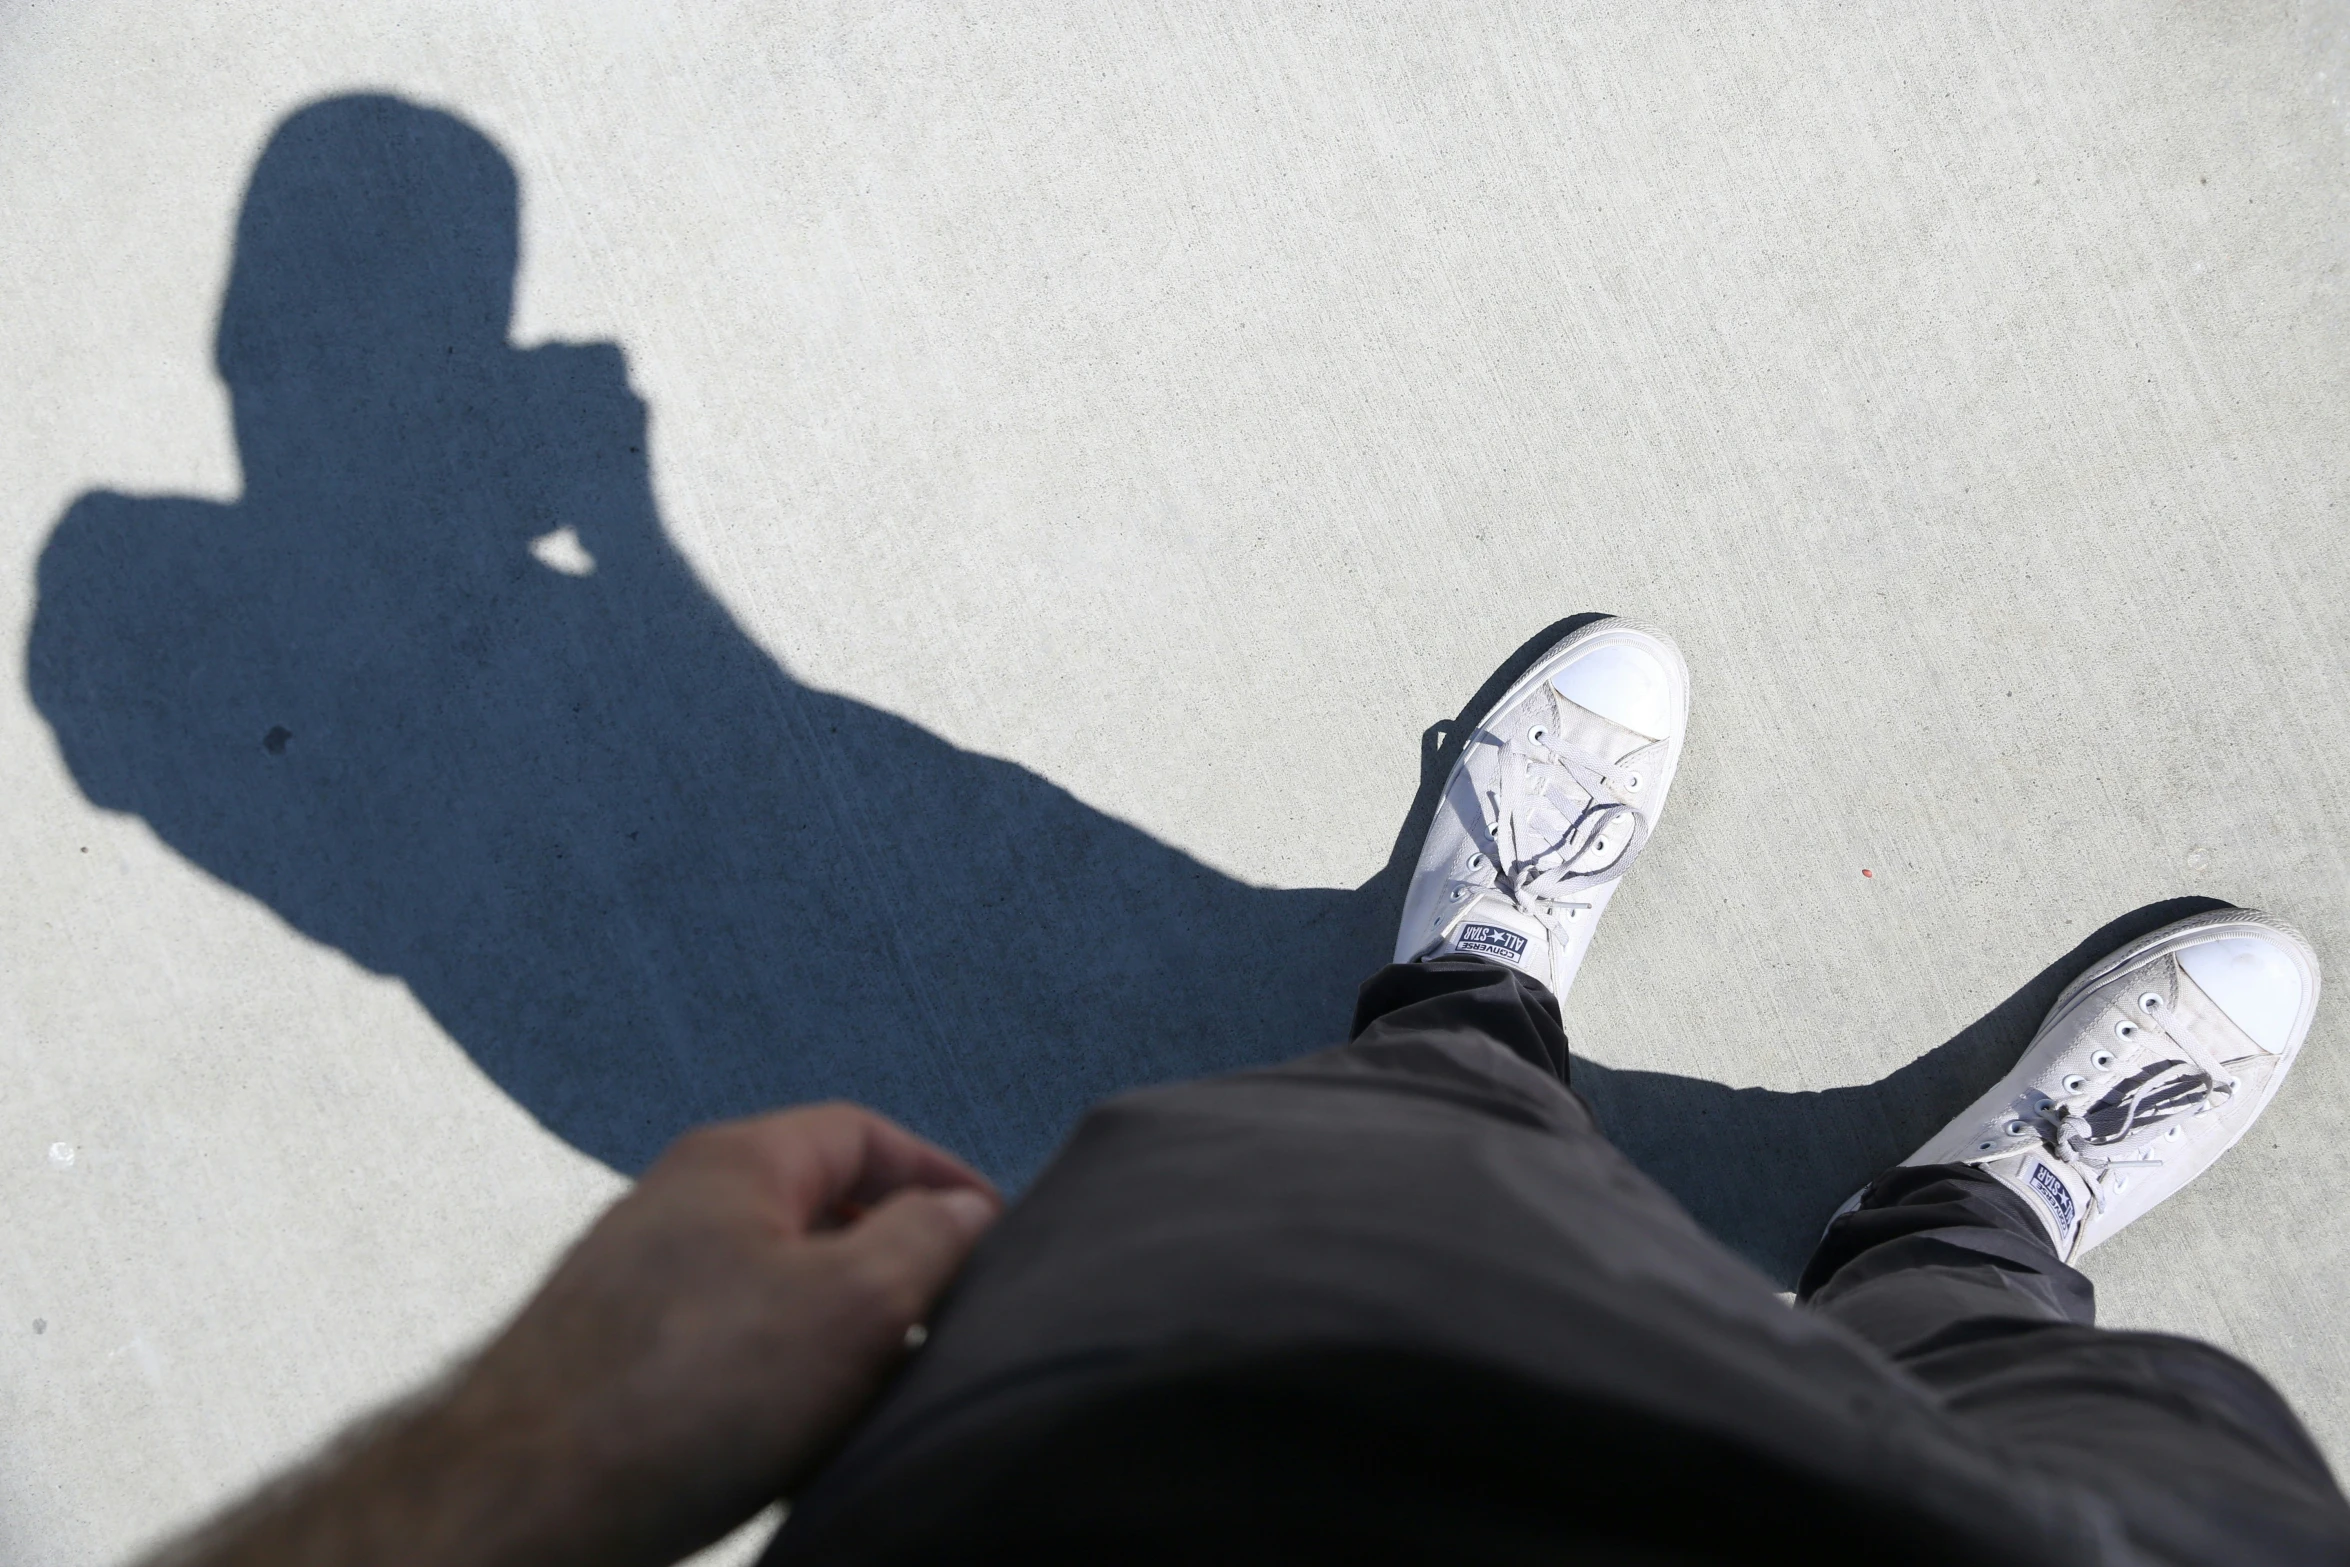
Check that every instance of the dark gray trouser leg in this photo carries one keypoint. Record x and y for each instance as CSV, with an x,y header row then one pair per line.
x,y
1433,1185
1430,1187
1947,1272
1454,999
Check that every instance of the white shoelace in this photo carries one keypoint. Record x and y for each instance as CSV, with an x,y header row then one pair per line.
x,y
2073,1147
1541,883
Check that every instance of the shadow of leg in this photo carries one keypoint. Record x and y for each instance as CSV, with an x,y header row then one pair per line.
x,y
1764,1169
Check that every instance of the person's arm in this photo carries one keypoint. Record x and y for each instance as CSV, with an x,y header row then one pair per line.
x,y
685,1365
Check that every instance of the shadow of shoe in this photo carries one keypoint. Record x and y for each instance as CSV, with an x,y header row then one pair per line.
x,y
1764,1169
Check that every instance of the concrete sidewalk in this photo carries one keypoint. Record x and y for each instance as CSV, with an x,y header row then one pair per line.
x,y
1086,450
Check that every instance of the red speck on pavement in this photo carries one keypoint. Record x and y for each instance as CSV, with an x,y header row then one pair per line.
x,y
1871,875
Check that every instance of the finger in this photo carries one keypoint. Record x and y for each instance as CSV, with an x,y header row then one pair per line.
x,y
913,1243
813,1161
895,1159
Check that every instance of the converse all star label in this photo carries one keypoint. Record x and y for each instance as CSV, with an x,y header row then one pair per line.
x,y
1491,941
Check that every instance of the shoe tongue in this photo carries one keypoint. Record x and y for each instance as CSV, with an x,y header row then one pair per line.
x,y
1582,732
2057,1194
1497,930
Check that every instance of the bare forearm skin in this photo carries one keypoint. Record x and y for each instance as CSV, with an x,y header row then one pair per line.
x,y
686,1364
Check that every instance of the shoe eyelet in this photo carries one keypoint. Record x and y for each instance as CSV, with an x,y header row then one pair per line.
x,y
2016,1128
1632,782
1538,734
2172,1134
1600,846
2102,1060
1476,862
2075,1083
1458,893
2150,1002
2121,1183
2125,1030
2046,1107
1985,1147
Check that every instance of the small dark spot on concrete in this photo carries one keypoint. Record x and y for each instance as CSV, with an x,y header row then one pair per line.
x,y
40,1324
85,848
274,742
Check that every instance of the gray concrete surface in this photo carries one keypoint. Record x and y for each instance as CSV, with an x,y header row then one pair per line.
x,y
1190,405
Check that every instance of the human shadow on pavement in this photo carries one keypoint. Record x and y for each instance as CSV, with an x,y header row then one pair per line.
x,y
634,868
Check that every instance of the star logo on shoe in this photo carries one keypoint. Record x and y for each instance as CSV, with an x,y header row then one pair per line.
x,y
1492,941
2049,1187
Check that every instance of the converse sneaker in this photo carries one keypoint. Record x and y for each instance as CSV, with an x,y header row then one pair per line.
x,y
2149,1067
1550,802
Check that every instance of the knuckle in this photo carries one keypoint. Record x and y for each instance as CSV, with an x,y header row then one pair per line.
x,y
726,1140
702,1138
690,1148
847,1112
838,1112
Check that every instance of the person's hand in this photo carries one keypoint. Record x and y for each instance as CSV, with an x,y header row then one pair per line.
x,y
687,1363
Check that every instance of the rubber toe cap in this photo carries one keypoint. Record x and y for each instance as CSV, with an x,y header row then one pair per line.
x,y
1623,683
2255,982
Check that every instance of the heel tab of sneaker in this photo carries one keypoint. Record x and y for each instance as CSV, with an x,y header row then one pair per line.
x,y
2055,1192
1490,928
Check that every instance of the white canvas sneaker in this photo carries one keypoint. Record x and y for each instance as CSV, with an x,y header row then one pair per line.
x,y
2148,1068
1549,804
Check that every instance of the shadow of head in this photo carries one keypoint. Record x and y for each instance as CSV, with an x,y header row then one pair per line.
x,y
375,257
